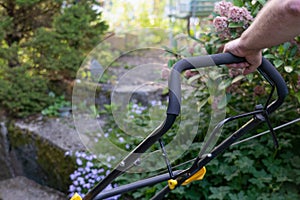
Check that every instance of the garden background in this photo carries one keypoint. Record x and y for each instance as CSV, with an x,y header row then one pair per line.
x,y
44,42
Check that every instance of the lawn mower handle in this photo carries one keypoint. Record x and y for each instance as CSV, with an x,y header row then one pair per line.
x,y
266,69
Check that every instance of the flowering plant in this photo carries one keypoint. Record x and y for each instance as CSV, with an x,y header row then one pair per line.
x,y
87,174
231,20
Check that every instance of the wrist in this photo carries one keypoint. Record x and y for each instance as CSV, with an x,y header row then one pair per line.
x,y
246,46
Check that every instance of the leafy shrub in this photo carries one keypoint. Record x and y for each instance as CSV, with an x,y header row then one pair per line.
x,y
58,52
45,53
55,108
22,93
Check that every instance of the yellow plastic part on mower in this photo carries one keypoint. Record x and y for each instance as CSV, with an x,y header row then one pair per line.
x,y
196,177
76,197
172,184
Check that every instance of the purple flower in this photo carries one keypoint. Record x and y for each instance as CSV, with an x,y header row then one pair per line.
x,y
88,176
87,185
92,181
81,180
72,177
72,188
80,169
75,183
78,161
121,139
83,154
87,169
94,171
89,164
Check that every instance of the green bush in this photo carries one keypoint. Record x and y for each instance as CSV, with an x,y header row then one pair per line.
x,y
44,54
22,93
58,52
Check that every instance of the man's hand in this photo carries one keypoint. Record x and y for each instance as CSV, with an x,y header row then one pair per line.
x,y
253,57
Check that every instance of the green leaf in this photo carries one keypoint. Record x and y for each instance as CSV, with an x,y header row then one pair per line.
x,y
219,192
201,104
237,78
298,96
171,62
293,51
250,77
223,102
224,84
270,56
286,46
235,24
193,78
238,3
262,2
278,63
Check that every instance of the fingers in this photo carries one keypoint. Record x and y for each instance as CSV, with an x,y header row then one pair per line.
x,y
245,67
239,65
253,57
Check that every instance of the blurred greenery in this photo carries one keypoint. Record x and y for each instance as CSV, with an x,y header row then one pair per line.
x,y
43,43
253,169
42,46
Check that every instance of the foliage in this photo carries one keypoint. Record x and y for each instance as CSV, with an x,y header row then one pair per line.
x,y
252,170
22,93
59,103
19,18
42,44
59,51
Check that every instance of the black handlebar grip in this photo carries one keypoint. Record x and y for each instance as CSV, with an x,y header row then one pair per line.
x,y
266,69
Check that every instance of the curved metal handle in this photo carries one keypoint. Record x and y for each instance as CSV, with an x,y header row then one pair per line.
x,y
266,69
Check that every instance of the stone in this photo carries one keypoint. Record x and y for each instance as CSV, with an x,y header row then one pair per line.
x,y
41,150
5,160
21,188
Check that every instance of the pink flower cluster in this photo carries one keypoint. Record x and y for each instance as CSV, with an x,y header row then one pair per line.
x,y
237,14
221,26
222,8
220,23
228,13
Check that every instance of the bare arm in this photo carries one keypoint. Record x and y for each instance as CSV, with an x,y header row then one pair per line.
x,y
277,22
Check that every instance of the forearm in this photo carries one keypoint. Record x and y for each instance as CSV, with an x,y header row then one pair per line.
x,y
278,22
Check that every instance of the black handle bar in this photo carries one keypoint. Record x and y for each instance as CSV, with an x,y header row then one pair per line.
x,y
266,69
